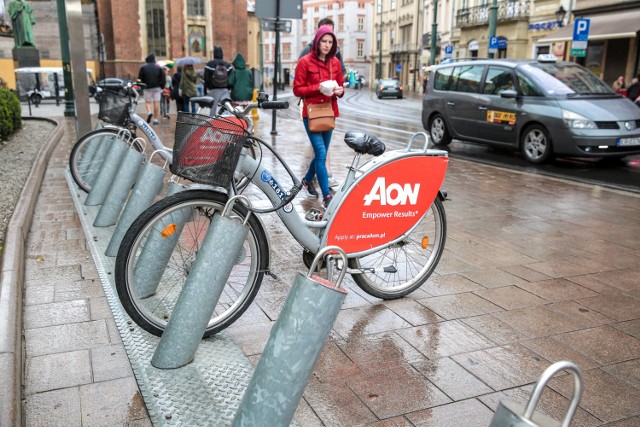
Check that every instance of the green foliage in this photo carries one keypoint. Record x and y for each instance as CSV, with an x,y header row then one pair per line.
x,y
10,113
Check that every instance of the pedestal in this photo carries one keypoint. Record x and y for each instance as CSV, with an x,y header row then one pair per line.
x,y
25,57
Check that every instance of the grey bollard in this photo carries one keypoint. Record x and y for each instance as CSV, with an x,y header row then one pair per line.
x,y
148,185
154,256
117,195
294,346
95,152
510,414
202,289
100,187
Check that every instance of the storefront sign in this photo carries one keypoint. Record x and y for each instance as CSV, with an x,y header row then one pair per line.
x,y
543,26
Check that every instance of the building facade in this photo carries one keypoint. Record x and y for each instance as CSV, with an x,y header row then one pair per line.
x,y
352,19
170,29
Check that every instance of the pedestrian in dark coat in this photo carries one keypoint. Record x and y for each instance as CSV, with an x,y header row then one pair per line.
x,y
153,77
240,80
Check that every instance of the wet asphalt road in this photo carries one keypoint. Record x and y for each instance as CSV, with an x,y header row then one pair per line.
x,y
395,120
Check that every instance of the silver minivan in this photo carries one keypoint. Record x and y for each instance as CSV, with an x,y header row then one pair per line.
x,y
540,106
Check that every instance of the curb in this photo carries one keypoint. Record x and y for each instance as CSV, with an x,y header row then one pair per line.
x,y
12,281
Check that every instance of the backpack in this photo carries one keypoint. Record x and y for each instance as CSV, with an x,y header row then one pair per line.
x,y
220,76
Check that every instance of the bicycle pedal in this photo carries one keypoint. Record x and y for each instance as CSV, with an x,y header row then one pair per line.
x,y
314,214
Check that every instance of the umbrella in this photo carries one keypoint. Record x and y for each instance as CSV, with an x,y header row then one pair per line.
x,y
166,63
188,60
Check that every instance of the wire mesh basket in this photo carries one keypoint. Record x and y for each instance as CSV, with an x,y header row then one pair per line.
x,y
207,149
113,107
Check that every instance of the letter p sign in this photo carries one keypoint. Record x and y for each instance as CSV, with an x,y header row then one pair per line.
x,y
581,29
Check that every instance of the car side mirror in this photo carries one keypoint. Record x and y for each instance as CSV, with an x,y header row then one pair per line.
x,y
509,93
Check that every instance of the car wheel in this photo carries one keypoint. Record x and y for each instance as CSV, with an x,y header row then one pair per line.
x,y
536,144
379,96
35,99
400,96
438,131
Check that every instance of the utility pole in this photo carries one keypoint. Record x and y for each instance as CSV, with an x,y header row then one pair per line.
x,y
493,20
69,105
434,32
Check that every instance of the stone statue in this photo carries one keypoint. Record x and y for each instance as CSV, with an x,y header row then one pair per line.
x,y
21,20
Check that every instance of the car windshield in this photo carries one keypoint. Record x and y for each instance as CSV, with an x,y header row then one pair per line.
x,y
565,79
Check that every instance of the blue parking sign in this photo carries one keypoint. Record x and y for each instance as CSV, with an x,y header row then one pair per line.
x,y
581,29
448,49
493,42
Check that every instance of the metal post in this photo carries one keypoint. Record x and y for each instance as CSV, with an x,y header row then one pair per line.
x,y
380,50
275,68
69,107
434,33
261,57
493,20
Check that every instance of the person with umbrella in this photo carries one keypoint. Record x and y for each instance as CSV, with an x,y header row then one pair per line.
x,y
154,79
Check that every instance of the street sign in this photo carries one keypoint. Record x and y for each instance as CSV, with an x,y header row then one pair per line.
x,y
493,44
398,68
580,37
291,9
283,25
448,51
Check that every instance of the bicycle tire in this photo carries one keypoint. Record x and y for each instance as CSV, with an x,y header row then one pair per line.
x,y
153,312
84,163
413,262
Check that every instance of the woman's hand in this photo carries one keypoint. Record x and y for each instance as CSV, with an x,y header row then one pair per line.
x,y
338,90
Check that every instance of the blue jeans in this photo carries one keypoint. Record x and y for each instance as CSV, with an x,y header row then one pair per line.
x,y
320,142
185,105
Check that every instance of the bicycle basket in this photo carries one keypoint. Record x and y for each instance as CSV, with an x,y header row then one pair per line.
x,y
207,149
113,107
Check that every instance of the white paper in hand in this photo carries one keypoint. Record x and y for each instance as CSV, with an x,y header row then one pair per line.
x,y
326,87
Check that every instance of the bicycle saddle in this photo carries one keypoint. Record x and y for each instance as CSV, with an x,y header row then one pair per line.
x,y
363,143
202,101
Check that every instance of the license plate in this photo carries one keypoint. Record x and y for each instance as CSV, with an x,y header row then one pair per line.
x,y
627,142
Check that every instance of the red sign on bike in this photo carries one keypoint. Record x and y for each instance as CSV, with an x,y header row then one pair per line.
x,y
386,203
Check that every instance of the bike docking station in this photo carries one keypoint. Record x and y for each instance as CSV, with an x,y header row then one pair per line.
x,y
183,378
510,414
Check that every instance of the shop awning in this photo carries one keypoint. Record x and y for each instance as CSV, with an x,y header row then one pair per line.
x,y
619,25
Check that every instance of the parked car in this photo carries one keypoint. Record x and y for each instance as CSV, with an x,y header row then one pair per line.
x,y
540,106
113,82
389,87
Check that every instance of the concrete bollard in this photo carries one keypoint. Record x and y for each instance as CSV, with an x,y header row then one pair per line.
x,y
202,289
294,346
117,195
148,185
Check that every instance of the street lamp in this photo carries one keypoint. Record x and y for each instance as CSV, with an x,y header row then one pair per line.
x,y
560,14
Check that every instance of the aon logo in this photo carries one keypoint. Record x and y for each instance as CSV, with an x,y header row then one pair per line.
x,y
393,194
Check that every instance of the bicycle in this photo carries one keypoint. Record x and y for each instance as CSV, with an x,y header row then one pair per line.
x,y
392,248
118,113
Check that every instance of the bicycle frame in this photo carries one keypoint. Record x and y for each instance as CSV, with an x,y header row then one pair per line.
x,y
385,214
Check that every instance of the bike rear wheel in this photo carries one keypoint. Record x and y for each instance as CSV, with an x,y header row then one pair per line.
x,y
157,252
403,267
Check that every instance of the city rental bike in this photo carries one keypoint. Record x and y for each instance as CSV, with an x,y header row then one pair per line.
x,y
117,112
387,216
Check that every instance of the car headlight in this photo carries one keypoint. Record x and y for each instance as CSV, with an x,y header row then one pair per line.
x,y
576,121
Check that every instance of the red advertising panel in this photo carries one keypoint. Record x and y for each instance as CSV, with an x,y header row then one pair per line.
x,y
386,203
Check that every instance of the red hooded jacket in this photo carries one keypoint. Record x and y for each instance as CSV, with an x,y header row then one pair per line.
x,y
311,71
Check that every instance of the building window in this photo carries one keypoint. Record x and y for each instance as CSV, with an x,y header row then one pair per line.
x,y
286,50
392,37
360,48
379,40
156,36
304,27
360,23
379,7
195,7
393,4
341,23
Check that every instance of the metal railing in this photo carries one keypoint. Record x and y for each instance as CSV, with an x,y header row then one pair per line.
x,y
510,10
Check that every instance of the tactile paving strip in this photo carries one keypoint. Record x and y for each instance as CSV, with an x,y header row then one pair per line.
x,y
207,391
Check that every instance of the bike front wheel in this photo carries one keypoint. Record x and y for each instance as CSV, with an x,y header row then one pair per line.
x,y
160,247
88,154
403,267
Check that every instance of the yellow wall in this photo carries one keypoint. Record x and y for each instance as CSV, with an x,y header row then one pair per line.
x,y
9,76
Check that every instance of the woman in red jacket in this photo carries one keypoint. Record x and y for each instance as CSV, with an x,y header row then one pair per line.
x,y
318,66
